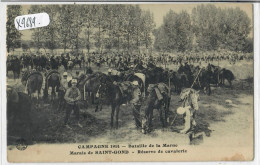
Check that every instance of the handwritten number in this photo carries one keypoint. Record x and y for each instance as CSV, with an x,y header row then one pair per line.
x,y
23,22
33,21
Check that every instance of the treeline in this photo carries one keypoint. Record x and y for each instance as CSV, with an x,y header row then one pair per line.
x,y
105,28
94,27
206,28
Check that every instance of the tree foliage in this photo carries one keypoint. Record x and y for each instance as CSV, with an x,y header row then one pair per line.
x,y
206,28
13,38
128,28
175,33
97,27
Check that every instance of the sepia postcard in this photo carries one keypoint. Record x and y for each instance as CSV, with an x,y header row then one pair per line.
x,y
130,82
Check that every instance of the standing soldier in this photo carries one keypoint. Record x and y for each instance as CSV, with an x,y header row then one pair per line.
x,y
62,90
72,96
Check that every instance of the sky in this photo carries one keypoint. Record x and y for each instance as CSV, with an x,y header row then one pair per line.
x,y
160,10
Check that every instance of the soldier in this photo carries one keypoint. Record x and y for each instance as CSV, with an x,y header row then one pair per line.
x,y
64,82
72,96
136,104
62,90
189,120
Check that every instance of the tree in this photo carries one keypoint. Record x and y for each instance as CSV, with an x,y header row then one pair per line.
x,y
161,39
147,26
236,30
38,33
76,27
220,28
99,24
205,19
175,33
137,27
50,32
13,38
88,22
64,23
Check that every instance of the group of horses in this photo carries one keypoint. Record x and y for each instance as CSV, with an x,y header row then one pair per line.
x,y
41,62
152,91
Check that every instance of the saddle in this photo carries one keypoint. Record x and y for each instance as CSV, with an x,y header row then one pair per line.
x,y
32,73
49,73
125,87
161,90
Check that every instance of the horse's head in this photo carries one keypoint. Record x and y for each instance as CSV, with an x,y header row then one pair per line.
x,y
210,68
24,77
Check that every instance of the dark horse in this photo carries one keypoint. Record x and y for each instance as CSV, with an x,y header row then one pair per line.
x,y
226,74
52,80
88,85
179,80
15,66
116,96
136,77
202,78
158,98
19,122
33,82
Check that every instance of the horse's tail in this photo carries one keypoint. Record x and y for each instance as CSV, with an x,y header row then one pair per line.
x,y
231,75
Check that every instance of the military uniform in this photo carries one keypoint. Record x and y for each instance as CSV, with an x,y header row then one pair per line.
x,y
72,96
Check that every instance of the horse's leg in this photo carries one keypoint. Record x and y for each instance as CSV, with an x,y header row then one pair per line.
x,y
53,93
112,115
161,110
92,97
97,104
38,96
14,75
230,83
209,90
150,118
100,106
117,114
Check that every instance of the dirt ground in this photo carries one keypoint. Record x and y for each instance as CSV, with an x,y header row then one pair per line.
x,y
227,124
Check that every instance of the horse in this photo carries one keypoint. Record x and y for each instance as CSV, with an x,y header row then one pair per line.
x,y
214,72
115,95
154,75
179,81
226,74
33,82
136,77
15,66
52,80
90,84
201,79
158,98
54,63
19,123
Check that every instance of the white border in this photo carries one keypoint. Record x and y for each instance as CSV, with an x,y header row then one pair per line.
x,y
3,153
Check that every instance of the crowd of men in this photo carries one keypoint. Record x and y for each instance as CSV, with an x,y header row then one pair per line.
x,y
119,61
